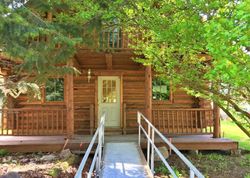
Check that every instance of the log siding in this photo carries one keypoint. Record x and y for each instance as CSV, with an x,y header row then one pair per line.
x,y
182,114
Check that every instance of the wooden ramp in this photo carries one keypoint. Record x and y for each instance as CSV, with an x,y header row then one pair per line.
x,y
124,160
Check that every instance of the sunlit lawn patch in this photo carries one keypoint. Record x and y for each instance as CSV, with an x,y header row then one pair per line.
x,y
230,130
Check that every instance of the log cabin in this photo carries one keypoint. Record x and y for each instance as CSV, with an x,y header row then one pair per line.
x,y
110,81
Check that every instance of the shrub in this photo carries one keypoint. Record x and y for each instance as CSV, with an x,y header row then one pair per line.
x,y
3,152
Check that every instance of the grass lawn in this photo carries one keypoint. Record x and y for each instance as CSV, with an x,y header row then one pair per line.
x,y
215,164
231,130
212,164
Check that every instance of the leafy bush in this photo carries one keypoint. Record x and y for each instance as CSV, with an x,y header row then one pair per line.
x,y
55,172
247,175
162,169
3,152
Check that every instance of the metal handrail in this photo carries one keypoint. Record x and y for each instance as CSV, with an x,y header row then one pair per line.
x,y
150,134
96,162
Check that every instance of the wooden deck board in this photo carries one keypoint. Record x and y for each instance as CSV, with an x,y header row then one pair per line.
x,y
80,142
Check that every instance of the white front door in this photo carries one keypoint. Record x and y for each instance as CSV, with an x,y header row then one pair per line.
x,y
109,100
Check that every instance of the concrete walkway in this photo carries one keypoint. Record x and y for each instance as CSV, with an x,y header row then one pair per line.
x,y
124,160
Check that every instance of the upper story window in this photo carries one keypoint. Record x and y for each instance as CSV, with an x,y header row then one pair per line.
x,y
160,89
111,38
54,90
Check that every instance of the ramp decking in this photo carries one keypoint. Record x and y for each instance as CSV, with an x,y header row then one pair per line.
x,y
124,160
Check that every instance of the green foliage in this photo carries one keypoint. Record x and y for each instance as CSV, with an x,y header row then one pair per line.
x,y
245,161
55,90
202,46
55,172
247,175
72,160
217,164
160,89
40,47
216,157
3,152
64,165
162,169
231,131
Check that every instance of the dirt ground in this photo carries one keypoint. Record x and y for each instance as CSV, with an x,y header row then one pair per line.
x,y
210,163
39,165
47,165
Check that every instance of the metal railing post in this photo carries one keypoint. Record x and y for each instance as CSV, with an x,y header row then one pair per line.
x,y
152,151
139,128
89,175
170,150
148,146
102,134
191,173
150,135
96,162
100,138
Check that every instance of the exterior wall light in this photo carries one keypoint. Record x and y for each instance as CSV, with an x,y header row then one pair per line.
x,y
89,75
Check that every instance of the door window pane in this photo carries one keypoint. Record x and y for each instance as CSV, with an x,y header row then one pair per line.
x,y
109,94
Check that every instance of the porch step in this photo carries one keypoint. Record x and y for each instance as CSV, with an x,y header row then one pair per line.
x,y
113,131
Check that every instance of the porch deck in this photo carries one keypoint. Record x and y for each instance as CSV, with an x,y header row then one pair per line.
x,y
80,142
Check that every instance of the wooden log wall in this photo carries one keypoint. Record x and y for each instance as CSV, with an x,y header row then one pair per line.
x,y
134,98
85,93
84,97
179,99
133,92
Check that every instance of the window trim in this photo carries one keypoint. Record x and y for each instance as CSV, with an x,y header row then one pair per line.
x,y
44,101
169,101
